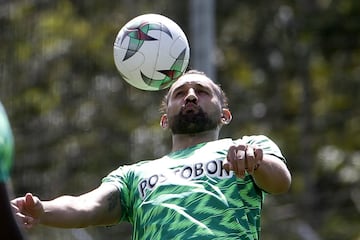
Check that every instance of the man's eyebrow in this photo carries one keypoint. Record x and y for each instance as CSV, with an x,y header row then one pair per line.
x,y
177,88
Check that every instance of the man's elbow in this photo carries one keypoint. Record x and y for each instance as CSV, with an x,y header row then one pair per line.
x,y
283,184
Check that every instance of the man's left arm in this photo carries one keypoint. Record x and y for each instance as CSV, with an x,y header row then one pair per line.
x,y
272,175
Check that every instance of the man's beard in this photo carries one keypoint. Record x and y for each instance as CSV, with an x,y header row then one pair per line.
x,y
189,123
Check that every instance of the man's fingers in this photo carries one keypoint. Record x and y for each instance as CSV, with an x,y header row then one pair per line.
x,y
227,166
242,158
27,221
231,154
26,210
258,154
250,159
17,204
29,200
236,160
240,163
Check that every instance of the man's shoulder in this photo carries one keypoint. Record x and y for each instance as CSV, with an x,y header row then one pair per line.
x,y
249,139
246,139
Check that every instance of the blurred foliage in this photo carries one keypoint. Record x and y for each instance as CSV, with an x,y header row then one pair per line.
x,y
291,70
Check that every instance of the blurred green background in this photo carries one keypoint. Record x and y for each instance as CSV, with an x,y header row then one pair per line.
x,y
291,70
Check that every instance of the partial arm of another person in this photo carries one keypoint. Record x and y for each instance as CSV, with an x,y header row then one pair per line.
x,y
98,207
9,226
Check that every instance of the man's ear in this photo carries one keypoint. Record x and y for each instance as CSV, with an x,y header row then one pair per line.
x,y
226,116
164,121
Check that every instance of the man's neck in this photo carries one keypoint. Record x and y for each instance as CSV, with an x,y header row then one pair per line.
x,y
182,141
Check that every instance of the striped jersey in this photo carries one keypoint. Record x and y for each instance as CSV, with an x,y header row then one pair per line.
x,y
188,194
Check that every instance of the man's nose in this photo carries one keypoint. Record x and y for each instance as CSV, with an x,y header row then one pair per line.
x,y
191,95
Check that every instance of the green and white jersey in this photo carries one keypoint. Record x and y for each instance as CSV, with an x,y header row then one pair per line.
x,y
189,195
6,145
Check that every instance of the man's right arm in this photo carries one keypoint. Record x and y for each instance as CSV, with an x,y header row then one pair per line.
x,y
98,207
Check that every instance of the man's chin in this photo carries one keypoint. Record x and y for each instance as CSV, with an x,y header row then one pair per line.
x,y
193,129
191,123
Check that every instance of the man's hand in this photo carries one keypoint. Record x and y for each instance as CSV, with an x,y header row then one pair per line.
x,y
28,210
101,206
243,157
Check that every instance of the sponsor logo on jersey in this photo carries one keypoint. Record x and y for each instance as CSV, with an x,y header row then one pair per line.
x,y
213,169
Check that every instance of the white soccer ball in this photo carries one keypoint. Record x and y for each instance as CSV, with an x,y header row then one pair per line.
x,y
151,51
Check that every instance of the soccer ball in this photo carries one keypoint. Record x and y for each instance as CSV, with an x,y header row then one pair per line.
x,y
151,51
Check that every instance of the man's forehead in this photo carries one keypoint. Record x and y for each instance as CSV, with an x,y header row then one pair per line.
x,y
192,79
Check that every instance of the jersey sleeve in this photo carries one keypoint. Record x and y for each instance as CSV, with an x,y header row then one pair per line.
x,y
266,144
6,146
121,178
